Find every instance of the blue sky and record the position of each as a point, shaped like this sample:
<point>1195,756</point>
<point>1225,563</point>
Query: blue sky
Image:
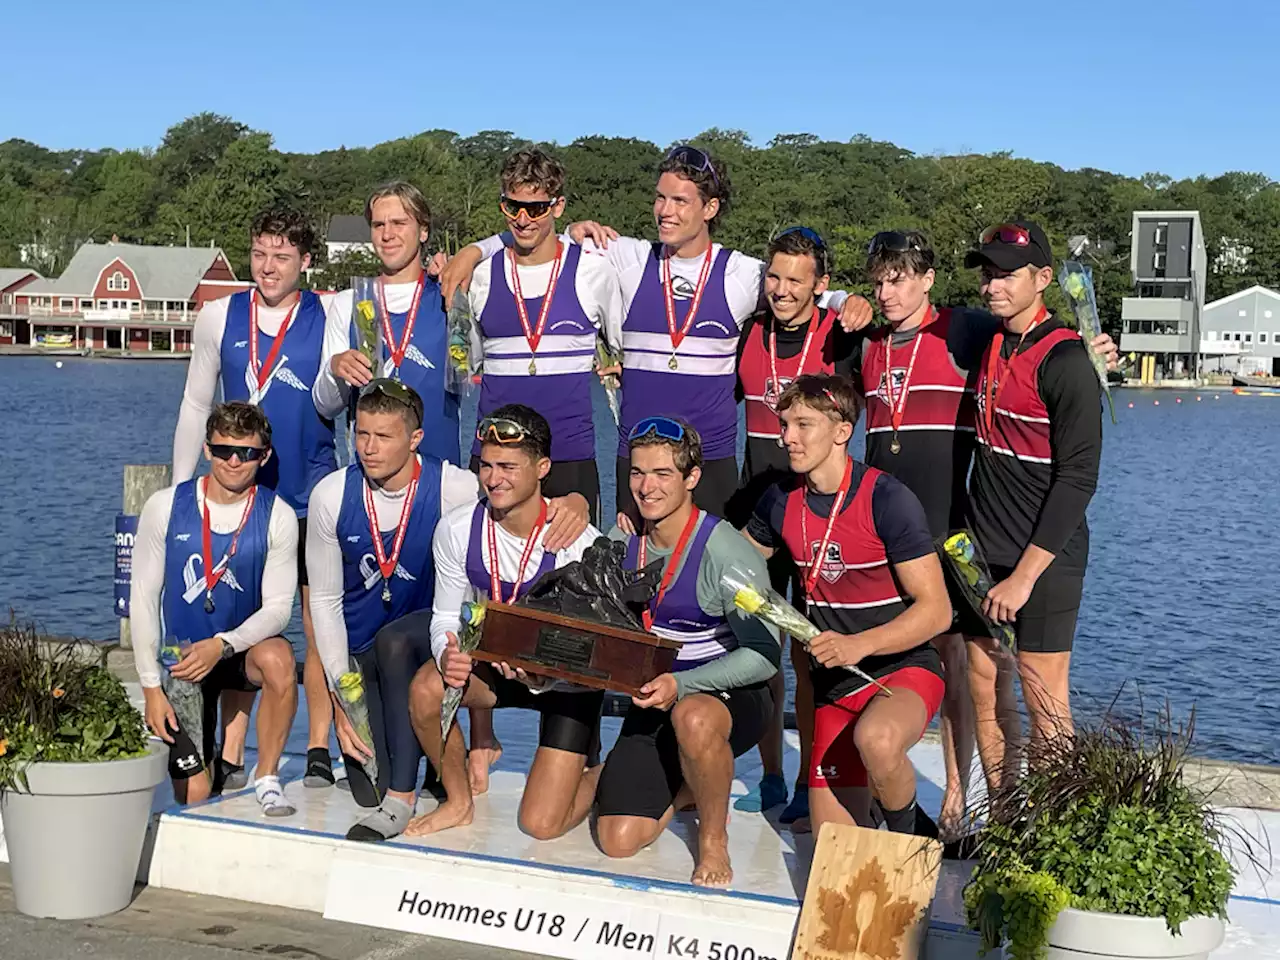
<point>1173,86</point>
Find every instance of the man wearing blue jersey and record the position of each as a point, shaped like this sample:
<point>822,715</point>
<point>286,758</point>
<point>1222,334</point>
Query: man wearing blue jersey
<point>263,346</point>
<point>215,571</point>
<point>372,578</point>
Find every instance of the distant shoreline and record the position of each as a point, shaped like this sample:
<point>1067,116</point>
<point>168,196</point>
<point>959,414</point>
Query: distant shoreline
<point>19,350</point>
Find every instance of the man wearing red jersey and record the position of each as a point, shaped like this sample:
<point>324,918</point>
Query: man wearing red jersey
<point>873,583</point>
<point>1039,429</point>
<point>792,336</point>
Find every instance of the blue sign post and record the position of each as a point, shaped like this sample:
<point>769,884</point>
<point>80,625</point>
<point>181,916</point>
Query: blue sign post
<point>126,529</point>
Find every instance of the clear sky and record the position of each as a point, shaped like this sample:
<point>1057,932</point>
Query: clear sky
<point>1178,86</point>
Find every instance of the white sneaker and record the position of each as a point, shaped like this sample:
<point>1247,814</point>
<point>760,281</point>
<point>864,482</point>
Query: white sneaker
<point>271,797</point>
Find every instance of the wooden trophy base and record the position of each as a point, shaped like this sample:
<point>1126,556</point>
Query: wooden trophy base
<point>591,654</point>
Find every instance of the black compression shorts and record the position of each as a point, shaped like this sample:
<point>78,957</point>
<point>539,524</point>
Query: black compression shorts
<point>566,477</point>
<point>187,758</point>
<point>570,719</point>
<point>718,484</point>
<point>1047,622</point>
<point>642,773</point>
<point>302,552</point>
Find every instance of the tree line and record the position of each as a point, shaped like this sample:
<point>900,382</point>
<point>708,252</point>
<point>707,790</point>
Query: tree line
<point>210,174</point>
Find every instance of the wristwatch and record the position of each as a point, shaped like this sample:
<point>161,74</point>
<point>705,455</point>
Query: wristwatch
<point>228,651</point>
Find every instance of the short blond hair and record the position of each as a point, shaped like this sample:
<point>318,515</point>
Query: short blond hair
<point>410,196</point>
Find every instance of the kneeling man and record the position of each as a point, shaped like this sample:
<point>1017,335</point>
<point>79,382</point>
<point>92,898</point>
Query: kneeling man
<point>215,568</point>
<point>497,550</point>
<point>873,584</point>
<point>679,739</point>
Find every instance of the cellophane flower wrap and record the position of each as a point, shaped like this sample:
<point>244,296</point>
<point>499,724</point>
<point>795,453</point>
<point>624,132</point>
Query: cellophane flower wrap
<point>1077,282</point>
<point>960,550</point>
<point>606,358</point>
<point>366,326</point>
<point>457,370</point>
<point>186,698</point>
<point>472,617</point>
<point>770,606</point>
<point>355,705</point>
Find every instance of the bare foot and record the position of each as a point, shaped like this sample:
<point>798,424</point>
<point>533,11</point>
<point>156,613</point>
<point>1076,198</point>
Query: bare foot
<point>479,762</point>
<point>449,814</point>
<point>713,869</point>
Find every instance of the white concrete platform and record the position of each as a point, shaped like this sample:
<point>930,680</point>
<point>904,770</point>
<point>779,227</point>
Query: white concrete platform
<point>489,883</point>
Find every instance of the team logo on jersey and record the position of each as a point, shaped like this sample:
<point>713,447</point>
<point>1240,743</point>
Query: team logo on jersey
<point>899,375</point>
<point>240,344</point>
<point>575,324</point>
<point>182,537</point>
<point>280,373</point>
<point>832,565</point>
<point>412,354</point>
<point>354,538</point>
<point>196,584</point>
<point>373,576</point>
<point>773,390</point>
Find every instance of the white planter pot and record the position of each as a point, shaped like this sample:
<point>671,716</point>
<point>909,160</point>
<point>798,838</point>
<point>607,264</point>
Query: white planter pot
<point>1081,935</point>
<point>76,839</point>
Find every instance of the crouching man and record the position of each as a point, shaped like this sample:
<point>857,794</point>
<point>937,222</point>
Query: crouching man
<point>215,568</point>
<point>679,738</point>
<point>497,549</point>
<point>873,584</point>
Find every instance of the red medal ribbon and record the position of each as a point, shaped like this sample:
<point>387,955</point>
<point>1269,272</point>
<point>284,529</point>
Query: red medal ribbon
<point>815,566</point>
<point>669,574</point>
<point>992,390</point>
<point>263,373</point>
<point>534,337</point>
<point>899,408</point>
<point>398,349</point>
<point>495,581</point>
<point>677,336</point>
<point>387,564</point>
<point>773,355</point>
<point>212,576</point>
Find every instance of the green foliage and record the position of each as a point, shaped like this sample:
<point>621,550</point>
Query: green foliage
<point>56,707</point>
<point>1101,821</point>
<point>210,174</point>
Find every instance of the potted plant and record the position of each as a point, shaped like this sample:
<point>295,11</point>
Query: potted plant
<point>76,778</point>
<point>1097,846</point>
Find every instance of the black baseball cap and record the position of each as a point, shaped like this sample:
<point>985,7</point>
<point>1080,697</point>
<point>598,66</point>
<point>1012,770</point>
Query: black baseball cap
<point>1009,246</point>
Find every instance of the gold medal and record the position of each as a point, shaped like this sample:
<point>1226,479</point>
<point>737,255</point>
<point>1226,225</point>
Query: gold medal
<point>533,368</point>
<point>894,445</point>
<point>673,363</point>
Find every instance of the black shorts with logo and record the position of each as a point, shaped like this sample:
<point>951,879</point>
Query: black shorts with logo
<point>642,773</point>
<point>1047,621</point>
<point>185,759</point>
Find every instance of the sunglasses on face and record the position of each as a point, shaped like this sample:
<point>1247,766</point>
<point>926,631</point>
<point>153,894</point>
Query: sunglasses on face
<point>664,427</point>
<point>533,209</point>
<point>891,241</point>
<point>225,451</point>
<point>1009,233</point>
<point>499,430</point>
<point>695,158</point>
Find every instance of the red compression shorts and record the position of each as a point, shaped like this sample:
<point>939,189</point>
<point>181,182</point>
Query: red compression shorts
<point>835,761</point>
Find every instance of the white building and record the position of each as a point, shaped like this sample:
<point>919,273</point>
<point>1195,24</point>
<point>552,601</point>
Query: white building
<point>347,233</point>
<point>1241,332</point>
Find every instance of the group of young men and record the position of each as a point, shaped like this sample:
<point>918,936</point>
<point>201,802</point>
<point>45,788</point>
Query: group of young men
<point>389,549</point>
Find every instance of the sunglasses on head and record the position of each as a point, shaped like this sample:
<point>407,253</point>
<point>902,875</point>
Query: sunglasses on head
<point>533,209</point>
<point>396,391</point>
<point>499,430</point>
<point>891,241</point>
<point>664,427</point>
<point>695,158</point>
<point>225,451</point>
<point>809,234</point>
<point>1009,233</point>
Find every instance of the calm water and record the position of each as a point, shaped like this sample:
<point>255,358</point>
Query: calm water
<point>1183,593</point>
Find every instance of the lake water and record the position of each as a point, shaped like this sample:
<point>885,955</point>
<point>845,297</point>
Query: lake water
<point>1182,600</point>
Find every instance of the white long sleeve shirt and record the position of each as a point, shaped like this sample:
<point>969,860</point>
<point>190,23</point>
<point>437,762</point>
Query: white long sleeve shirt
<point>201,390</point>
<point>458,488</point>
<point>743,275</point>
<point>595,283</point>
<point>453,589</point>
<point>279,576</point>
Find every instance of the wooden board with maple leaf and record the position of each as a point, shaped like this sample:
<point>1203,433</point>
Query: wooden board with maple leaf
<point>868,895</point>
